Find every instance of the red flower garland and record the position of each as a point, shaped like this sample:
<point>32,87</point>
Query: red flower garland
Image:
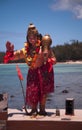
<point>30,60</point>
<point>9,56</point>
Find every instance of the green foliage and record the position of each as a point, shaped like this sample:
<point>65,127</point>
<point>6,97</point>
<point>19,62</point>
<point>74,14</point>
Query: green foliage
<point>68,51</point>
<point>1,56</point>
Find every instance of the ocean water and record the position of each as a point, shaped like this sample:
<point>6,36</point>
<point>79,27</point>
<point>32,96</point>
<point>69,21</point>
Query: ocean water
<point>68,84</point>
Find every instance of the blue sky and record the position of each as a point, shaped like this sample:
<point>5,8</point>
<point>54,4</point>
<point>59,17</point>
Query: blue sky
<point>62,19</point>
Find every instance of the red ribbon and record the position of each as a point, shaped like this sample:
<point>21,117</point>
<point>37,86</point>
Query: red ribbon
<point>19,73</point>
<point>50,61</point>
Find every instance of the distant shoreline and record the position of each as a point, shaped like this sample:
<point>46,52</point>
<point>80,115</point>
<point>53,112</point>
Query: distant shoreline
<point>70,62</point>
<point>67,62</point>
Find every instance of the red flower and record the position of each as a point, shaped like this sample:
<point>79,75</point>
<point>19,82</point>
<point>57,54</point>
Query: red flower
<point>8,56</point>
<point>19,73</point>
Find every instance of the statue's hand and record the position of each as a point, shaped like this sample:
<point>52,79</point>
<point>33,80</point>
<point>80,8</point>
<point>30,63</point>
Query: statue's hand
<point>9,52</point>
<point>9,46</point>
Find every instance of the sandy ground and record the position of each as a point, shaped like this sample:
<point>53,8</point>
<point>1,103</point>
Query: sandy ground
<point>70,62</point>
<point>67,62</point>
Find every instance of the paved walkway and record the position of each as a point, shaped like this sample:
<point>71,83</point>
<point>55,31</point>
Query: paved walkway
<point>14,114</point>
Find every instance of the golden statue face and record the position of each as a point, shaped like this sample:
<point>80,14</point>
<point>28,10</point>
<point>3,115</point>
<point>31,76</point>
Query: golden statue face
<point>32,39</point>
<point>46,42</point>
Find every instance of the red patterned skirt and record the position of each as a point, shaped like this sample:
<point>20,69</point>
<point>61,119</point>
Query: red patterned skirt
<point>39,82</point>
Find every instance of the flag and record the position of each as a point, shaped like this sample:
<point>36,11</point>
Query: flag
<point>19,73</point>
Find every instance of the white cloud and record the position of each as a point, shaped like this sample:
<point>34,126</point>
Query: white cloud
<point>75,6</point>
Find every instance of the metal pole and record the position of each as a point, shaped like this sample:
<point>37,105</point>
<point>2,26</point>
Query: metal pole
<point>24,97</point>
